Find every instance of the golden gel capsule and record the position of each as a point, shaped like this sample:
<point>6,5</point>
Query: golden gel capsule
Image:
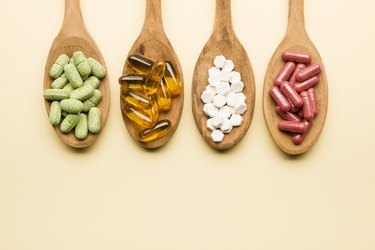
<point>145,118</point>
<point>133,82</point>
<point>136,99</point>
<point>140,64</point>
<point>160,130</point>
<point>154,78</point>
<point>163,97</point>
<point>172,80</point>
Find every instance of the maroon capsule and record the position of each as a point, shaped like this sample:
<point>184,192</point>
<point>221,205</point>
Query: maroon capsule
<point>299,138</point>
<point>293,127</point>
<point>293,78</point>
<point>314,100</point>
<point>308,72</point>
<point>291,94</point>
<point>300,114</point>
<point>302,86</point>
<point>287,116</point>
<point>279,98</point>
<point>295,56</point>
<point>294,109</point>
<point>308,112</point>
<point>285,73</point>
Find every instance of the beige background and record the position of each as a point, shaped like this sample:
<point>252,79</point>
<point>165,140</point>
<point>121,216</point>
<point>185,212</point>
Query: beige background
<point>187,196</point>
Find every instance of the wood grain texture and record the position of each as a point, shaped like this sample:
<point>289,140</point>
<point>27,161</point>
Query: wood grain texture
<point>296,38</point>
<point>152,43</point>
<point>223,41</point>
<point>74,36</point>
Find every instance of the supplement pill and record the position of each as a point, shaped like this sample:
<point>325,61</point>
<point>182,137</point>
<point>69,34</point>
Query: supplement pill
<point>73,76</point>
<point>97,69</point>
<point>69,123</point>
<point>302,86</point>
<point>291,94</point>
<point>309,72</point>
<point>58,67</point>
<point>136,99</point>
<point>140,64</point>
<point>295,56</point>
<point>299,138</point>
<point>71,105</point>
<point>313,99</point>
<point>55,94</point>
<point>93,81</point>
<point>287,116</point>
<point>94,120</point>
<point>55,113</point>
<point>143,118</point>
<point>82,64</point>
<point>133,82</point>
<point>293,126</point>
<point>163,97</point>
<point>60,82</point>
<point>92,101</point>
<point>285,73</point>
<point>160,130</point>
<point>154,78</point>
<point>69,88</point>
<point>217,135</point>
<point>82,93</point>
<point>81,130</point>
<point>293,78</point>
<point>280,99</point>
<point>308,112</point>
<point>172,80</point>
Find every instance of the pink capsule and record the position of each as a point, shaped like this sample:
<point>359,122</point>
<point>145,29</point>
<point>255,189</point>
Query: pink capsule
<point>279,98</point>
<point>287,116</point>
<point>314,100</point>
<point>293,127</point>
<point>300,114</point>
<point>309,72</point>
<point>297,57</point>
<point>294,109</point>
<point>285,73</point>
<point>302,86</point>
<point>308,112</point>
<point>291,94</point>
<point>293,79</point>
<point>299,138</point>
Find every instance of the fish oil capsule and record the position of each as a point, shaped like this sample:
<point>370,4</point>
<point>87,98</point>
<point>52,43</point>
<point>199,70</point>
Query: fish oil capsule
<point>133,82</point>
<point>285,73</point>
<point>280,99</point>
<point>308,112</point>
<point>309,72</point>
<point>293,127</point>
<point>163,97</point>
<point>298,57</point>
<point>136,99</point>
<point>140,64</point>
<point>299,138</point>
<point>145,118</point>
<point>172,80</point>
<point>160,130</point>
<point>154,78</point>
<point>291,94</point>
<point>287,116</point>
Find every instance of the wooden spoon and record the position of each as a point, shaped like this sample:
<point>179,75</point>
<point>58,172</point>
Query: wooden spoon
<point>223,41</point>
<point>296,39</point>
<point>73,36</point>
<point>152,43</point>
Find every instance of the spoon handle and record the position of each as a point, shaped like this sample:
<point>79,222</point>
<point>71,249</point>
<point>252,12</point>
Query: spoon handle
<point>296,19</point>
<point>153,19</point>
<point>73,21</point>
<point>223,19</point>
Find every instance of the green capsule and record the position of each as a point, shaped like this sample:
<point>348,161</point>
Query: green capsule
<point>60,82</point>
<point>81,129</point>
<point>55,113</point>
<point>55,94</point>
<point>82,93</point>
<point>93,81</point>
<point>64,113</point>
<point>82,64</point>
<point>69,123</point>
<point>58,67</point>
<point>96,68</point>
<point>73,75</point>
<point>94,120</point>
<point>68,88</point>
<point>92,101</point>
<point>71,105</point>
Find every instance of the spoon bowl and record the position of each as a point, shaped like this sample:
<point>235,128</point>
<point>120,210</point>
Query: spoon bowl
<point>295,39</point>
<point>72,37</point>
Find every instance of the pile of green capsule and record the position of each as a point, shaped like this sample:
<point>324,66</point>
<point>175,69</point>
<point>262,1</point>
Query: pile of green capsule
<point>74,94</point>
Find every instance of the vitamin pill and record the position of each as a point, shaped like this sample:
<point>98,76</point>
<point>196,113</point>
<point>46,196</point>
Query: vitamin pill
<point>71,105</point>
<point>308,72</point>
<point>82,93</point>
<point>163,97</point>
<point>226,126</point>
<point>133,82</point>
<point>97,69</point>
<point>226,111</point>
<point>237,86</point>
<point>136,99</point>
<point>299,138</point>
<point>160,130</point>
<point>280,99</point>
<point>302,86</point>
<point>308,112</point>
<point>55,94</point>
<point>172,80</point>
<point>291,94</point>
<point>285,73</point>
<point>140,64</point>
<point>209,124</point>
<point>69,123</point>
<point>219,101</point>
<point>207,96</point>
<point>232,99</point>
<point>287,116</point>
<point>295,56</point>
<point>82,64</point>
<point>92,101</point>
<point>219,61</point>
<point>235,77</point>
<point>313,99</point>
<point>143,118</point>
<point>154,78</point>
<point>81,130</point>
<point>68,88</point>
<point>55,113</point>
<point>60,82</point>
<point>293,78</point>
<point>240,108</point>
<point>213,71</point>
<point>73,75</point>
<point>217,135</point>
<point>93,81</point>
<point>94,120</point>
<point>293,126</point>
<point>58,67</point>
<point>222,88</point>
<point>210,110</point>
<point>217,120</point>
<point>228,66</point>
<point>236,120</point>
